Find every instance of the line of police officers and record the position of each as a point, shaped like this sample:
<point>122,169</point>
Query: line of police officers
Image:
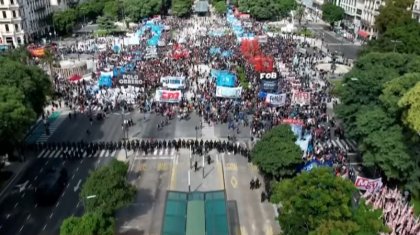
<point>77,149</point>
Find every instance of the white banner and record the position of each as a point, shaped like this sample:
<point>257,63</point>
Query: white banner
<point>168,96</point>
<point>301,97</point>
<point>371,185</point>
<point>173,82</point>
<point>276,99</point>
<point>228,92</point>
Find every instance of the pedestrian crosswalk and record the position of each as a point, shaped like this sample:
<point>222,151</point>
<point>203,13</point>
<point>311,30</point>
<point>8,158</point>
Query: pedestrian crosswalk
<point>72,152</point>
<point>349,146</point>
<point>53,126</point>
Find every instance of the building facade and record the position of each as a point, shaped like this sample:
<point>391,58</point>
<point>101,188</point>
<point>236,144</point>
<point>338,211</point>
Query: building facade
<point>23,21</point>
<point>360,17</point>
<point>416,10</point>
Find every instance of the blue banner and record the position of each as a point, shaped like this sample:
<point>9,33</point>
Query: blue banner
<point>223,78</point>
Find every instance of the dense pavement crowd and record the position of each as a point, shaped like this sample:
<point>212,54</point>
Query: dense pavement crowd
<point>187,49</point>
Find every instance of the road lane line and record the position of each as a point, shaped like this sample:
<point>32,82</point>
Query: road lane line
<point>21,228</point>
<point>73,176</point>
<point>52,213</point>
<point>44,227</point>
<point>77,169</point>
<point>82,161</point>
<point>173,177</point>
<point>78,204</point>
<point>58,203</point>
<point>17,203</point>
<point>47,161</point>
<point>23,195</point>
<point>28,217</point>
<point>36,177</point>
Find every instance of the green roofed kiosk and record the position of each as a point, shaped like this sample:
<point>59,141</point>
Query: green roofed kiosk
<point>195,213</point>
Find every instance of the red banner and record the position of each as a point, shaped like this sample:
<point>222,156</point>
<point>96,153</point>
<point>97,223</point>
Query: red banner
<point>292,121</point>
<point>168,96</point>
<point>301,97</point>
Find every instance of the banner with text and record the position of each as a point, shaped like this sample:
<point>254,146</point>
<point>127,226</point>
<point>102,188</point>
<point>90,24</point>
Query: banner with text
<point>168,96</point>
<point>228,92</point>
<point>276,99</point>
<point>131,79</point>
<point>371,185</point>
<point>269,85</point>
<point>301,97</point>
<point>173,82</point>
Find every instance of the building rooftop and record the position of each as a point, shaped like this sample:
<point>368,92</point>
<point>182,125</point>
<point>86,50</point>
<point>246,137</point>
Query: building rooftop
<point>195,213</point>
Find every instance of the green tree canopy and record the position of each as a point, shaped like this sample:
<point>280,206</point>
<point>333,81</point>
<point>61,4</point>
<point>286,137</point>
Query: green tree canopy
<point>181,8</point>
<point>31,80</point>
<point>319,203</point>
<point>220,7</point>
<point>64,21</point>
<point>267,9</point>
<point>112,9</point>
<point>332,13</point>
<point>15,117</point>
<point>276,154</point>
<point>394,90</point>
<point>393,14</point>
<point>139,9</point>
<point>88,224</point>
<point>411,104</point>
<point>106,23</point>
<point>107,188</point>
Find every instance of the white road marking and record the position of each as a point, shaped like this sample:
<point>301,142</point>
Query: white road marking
<point>44,227</point>
<point>78,204</point>
<point>28,217</point>
<point>36,205</point>
<point>36,177</point>
<point>17,203</point>
<point>21,228</point>
<point>23,195</point>
<point>52,213</point>
<point>82,161</point>
<point>56,205</point>
<point>77,185</point>
<point>77,169</point>
<point>47,162</point>
<point>73,176</point>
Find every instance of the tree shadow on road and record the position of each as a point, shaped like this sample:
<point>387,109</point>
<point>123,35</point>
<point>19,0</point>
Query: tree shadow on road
<point>129,219</point>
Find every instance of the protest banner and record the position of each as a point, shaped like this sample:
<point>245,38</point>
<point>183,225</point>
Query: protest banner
<point>371,185</point>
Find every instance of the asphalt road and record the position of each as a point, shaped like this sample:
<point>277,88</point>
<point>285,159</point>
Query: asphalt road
<point>334,42</point>
<point>21,215</point>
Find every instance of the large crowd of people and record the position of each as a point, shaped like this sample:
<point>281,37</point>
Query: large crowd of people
<point>194,49</point>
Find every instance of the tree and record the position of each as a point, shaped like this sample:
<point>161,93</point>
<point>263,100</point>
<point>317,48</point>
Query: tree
<point>139,9</point>
<point>393,14</point>
<point>317,202</point>
<point>285,7</point>
<point>106,189</point>
<point>332,13</point>
<point>112,9</point>
<point>15,117</point>
<point>411,104</point>
<point>88,224</point>
<point>49,59</point>
<point>276,154</point>
<point>31,80</point>
<point>64,21</point>
<point>106,23</point>
<point>220,7</point>
<point>387,151</point>
<point>394,90</point>
<point>299,14</point>
<point>181,8</point>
